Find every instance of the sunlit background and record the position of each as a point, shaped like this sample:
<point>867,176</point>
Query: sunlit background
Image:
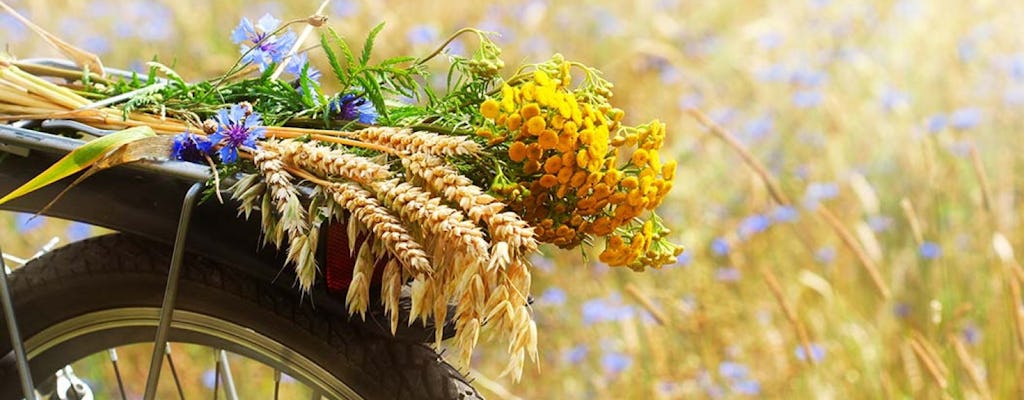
<point>892,126</point>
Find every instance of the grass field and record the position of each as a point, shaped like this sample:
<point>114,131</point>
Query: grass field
<point>881,265</point>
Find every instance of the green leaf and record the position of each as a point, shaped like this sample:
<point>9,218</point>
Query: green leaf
<point>332,58</point>
<point>79,159</point>
<point>345,50</point>
<point>368,46</point>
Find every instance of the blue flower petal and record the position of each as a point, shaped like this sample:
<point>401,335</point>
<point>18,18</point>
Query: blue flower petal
<point>243,31</point>
<point>268,23</point>
<point>228,154</point>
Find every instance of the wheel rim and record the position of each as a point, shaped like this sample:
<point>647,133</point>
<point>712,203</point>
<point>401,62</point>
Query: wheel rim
<point>263,348</point>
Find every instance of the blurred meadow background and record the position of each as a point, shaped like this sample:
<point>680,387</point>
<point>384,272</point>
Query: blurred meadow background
<point>882,266</point>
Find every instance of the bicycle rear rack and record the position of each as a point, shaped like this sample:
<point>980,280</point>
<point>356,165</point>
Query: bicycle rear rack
<point>15,138</point>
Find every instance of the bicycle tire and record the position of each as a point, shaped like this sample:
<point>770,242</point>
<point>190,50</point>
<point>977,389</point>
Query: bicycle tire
<point>122,272</point>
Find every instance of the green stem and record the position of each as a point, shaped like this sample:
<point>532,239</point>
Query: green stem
<point>441,48</point>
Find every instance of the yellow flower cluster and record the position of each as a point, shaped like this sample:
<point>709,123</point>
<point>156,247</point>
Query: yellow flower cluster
<point>574,171</point>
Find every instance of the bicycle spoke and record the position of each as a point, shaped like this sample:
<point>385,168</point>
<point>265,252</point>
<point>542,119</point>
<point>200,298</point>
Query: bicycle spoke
<point>117,372</point>
<point>277,384</point>
<point>174,372</point>
<point>229,381</point>
<point>216,374</point>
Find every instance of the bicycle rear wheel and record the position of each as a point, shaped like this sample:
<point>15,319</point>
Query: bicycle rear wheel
<point>106,292</point>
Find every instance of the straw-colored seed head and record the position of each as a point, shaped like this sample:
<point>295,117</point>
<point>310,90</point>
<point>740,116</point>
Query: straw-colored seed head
<point>407,141</point>
<point>383,224</point>
<point>327,162</point>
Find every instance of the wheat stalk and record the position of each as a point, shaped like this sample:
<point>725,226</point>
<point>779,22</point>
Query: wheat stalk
<point>385,226</point>
<point>408,141</point>
<point>503,226</point>
<point>283,196</point>
<point>327,162</point>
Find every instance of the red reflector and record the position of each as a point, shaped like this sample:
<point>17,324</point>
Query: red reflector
<point>339,261</point>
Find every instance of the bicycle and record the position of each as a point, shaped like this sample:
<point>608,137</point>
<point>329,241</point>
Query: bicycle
<point>186,272</point>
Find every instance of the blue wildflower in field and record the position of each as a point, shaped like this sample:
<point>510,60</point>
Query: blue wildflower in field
<point>825,255</point>
<point>752,225</point>
<point>935,123</point>
<point>422,34</point>
<point>576,354</point>
<point>26,223</point>
<point>553,296</point>
<point>733,370</point>
<point>351,107</point>
<point>258,43</point>
<point>818,191</point>
<point>965,118</point>
<point>684,259</point>
<point>809,77</point>
<point>817,352</point>
<point>930,250</point>
<point>785,214</point>
<point>616,362</point>
<point>236,126</point>
<point>879,223</point>
<point>893,99</point>
<point>719,246</point>
<point>759,127</point>
<point>808,98</point>
<point>748,387</point>
<point>77,231</point>
<point>971,333</point>
<point>601,310</point>
<point>190,147</point>
<point>901,310</point>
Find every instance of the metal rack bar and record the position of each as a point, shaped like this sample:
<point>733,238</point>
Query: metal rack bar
<point>27,388</point>
<point>171,292</point>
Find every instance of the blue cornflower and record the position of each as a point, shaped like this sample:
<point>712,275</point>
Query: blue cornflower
<point>733,370</point>
<point>77,231</point>
<point>825,255</point>
<point>236,127</point>
<point>258,45</point>
<point>576,354</point>
<point>808,98</point>
<point>965,118</point>
<point>720,246</point>
<point>935,123</point>
<point>747,387</point>
<point>879,223</point>
<point>818,191</point>
<point>351,107</point>
<point>297,63</point>
<point>783,214</point>
<point>684,259</point>
<point>901,310</point>
<point>759,127</point>
<point>422,34</point>
<point>971,333</point>
<point>817,353</point>
<point>616,362</point>
<point>752,225</point>
<point>28,222</point>
<point>190,147</point>
<point>553,296</point>
<point>930,250</point>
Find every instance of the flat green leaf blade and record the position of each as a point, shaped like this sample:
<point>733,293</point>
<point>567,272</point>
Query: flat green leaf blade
<point>79,159</point>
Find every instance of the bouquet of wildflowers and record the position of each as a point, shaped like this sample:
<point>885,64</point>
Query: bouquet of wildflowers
<point>454,188</point>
